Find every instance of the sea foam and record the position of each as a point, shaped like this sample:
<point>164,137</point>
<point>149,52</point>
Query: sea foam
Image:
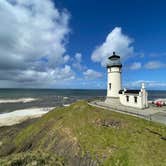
<point>21,100</point>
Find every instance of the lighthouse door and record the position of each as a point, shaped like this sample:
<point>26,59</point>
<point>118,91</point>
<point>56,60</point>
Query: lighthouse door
<point>109,85</point>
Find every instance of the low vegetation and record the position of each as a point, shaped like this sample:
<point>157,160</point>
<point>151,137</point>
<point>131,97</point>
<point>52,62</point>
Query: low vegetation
<point>82,135</point>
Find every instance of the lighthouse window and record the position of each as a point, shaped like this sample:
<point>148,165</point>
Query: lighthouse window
<point>135,99</point>
<point>110,85</point>
<point>127,98</point>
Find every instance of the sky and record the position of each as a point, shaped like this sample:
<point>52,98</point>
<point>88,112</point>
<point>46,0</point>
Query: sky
<point>66,43</point>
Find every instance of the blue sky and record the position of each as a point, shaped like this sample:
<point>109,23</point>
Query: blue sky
<point>143,21</point>
<point>65,44</point>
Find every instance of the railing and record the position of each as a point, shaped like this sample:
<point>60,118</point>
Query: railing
<point>125,110</point>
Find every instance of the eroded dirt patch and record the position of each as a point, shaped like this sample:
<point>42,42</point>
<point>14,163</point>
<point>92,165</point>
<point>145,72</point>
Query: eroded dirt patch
<point>108,123</point>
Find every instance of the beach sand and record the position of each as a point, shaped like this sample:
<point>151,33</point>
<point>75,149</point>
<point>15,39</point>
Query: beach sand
<point>18,116</point>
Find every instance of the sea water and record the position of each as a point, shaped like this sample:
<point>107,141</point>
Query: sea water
<point>16,99</point>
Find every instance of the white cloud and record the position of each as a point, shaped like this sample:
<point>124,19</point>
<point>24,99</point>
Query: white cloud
<point>148,84</point>
<point>33,35</point>
<point>92,74</point>
<point>148,65</point>
<point>78,57</point>
<point>135,66</point>
<point>77,62</point>
<point>37,78</point>
<point>65,73</point>
<point>115,41</point>
<point>66,58</point>
<point>154,65</point>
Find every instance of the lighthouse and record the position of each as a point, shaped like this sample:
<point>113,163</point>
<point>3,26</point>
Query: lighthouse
<point>114,82</point>
<point>116,96</point>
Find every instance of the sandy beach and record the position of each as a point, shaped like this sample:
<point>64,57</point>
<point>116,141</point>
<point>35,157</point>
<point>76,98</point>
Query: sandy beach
<point>18,116</point>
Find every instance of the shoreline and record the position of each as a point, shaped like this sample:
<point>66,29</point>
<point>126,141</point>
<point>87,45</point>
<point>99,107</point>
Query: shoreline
<point>19,100</point>
<point>19,116</point>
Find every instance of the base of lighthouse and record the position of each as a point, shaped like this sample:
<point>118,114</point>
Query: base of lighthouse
<point>112,100</point>
<point>130,98</point>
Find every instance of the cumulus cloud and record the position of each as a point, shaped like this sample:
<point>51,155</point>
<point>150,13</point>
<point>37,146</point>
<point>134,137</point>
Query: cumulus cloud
<point>154,65</point>
<point>66,58</point>
<point>78,57</point>
<point>92,74</point>
<point>77,62</point>
<point>135,66</point>
<point>115,41</point>
<point>56,74</point>
<point>33,35</point>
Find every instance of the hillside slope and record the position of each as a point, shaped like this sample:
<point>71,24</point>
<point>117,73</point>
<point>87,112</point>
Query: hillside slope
<point>86,136</point>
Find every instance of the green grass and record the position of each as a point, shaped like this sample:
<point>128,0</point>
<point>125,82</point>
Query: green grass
<point>110,138</point>
<point>37,158</point>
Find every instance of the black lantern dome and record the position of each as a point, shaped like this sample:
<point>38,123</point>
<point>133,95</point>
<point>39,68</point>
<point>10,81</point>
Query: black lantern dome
<point>114,61</point>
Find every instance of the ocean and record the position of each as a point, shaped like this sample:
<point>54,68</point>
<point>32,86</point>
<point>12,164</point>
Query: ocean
<point>15,99</point>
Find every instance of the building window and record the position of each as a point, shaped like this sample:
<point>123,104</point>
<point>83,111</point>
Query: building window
<point>135,99</point>
<point>127,98</point>
<point>109,85</point>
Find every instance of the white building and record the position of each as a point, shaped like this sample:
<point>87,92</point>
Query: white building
<point>115,94</point>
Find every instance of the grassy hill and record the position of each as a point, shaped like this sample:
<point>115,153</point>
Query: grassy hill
<point>82,135</point>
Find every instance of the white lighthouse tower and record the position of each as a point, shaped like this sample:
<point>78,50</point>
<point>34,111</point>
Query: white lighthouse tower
<point>114,77</point>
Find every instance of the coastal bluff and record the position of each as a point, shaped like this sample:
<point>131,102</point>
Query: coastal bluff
<point>81,135</point>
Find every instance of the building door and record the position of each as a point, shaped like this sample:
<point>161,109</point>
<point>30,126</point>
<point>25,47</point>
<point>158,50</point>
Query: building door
<point>109,85</point>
